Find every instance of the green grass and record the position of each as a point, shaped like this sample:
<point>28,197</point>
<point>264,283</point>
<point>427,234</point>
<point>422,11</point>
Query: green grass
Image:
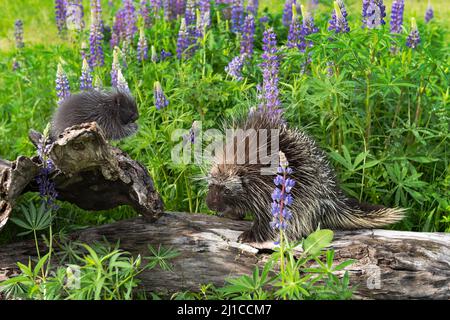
<point>408,156</point>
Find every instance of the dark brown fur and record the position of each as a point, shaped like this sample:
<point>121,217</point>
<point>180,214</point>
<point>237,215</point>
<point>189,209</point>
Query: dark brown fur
<point>114,111</point>
<point>236,189</point>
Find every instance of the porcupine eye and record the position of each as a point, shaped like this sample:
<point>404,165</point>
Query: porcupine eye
<point>227,192</point>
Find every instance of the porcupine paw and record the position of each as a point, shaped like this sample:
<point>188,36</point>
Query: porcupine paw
<point>247,236</point>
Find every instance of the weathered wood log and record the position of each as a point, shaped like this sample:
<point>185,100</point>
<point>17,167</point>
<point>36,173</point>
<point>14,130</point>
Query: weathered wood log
<point>390,264</point>
<point>90,173</point>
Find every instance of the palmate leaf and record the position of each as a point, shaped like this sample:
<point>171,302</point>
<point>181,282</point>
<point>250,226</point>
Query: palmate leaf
<point>34,219</point>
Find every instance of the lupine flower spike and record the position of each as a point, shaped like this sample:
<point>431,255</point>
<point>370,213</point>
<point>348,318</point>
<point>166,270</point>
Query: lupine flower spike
<point>252,7</point>
<point>413,38</point>
<point>281,195</point>
<point>96,57</point>
<point>237,15</point>
<point>248,36</point>
<point>122,84</point>
<point>115,66</point>
<point>142,48</point>
<point>62,84</point>
<point>159,96</point>
<point>86,76</point>
<point>338,21</point>
<point>287,12</point>
<point>18,33</point>
<point>374,12</point>
<point>130,20</point>
<point>295,35</point>
<point>61,15</point>
<point>268,92</point>
<point>234,68</point>
<point>183,39</point>
<point>75,14</point>
<point>308,26</point>
<point>429,14</point>
<point>397,16</point>
<point>47,190</point>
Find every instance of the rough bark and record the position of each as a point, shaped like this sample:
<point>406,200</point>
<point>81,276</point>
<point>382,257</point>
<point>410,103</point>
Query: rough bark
<point>390,264</point>
<point>90,173</point>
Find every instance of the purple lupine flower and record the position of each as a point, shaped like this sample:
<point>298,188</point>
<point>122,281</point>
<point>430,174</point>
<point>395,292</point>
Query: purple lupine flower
<point>62,84</point>
<point>47,189</point>
<point>179,8</point>
<point>252,7</point>
<point>237,15</point>
<point>375,13</point>
<point>86,76</point>
<point>248,36</point>
<point>296,39</point>
<point>308,26</point>
<point>130,20</point>
<point>165,55</point>
<point>397,16</point>
<point>115,67</point>
<point>205,11</point>
<point>189,15</point>
<point>61,14</point>
<point>84,50</point>
<point>96,7</point>
<point>269,100</point>
<point>413,38</point>
<point>193,133</point>
<point>142,47</point>
<point>18,33</point>
<point>264,19</point>
<point>429,14</point>
<point>183,39</point>
<point>159,96</point>
<point>287,12</point>
<point>122,84</point>
<point>200,27</point>
<point>75,14</point>
<point>118,29</point>
<point>96,57</point>
<point>338,21</point>
<point>234,68</point>
<point>155,5</point>
<point>144,12</point>
<point>281,195</point>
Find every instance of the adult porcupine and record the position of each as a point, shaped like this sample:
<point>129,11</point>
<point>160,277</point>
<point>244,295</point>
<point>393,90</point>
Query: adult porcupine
<point>115,112</point>
<point>236,189</point>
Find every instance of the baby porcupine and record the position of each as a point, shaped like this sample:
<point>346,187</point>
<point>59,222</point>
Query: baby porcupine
<point>115,112</point>
<point>236,189</point>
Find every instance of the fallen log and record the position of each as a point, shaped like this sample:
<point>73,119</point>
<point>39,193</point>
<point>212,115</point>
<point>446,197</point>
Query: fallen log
<point>90,173</point>
<point>390,264</point>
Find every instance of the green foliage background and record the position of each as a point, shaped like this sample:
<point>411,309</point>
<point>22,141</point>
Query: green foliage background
<point>383,118</point>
